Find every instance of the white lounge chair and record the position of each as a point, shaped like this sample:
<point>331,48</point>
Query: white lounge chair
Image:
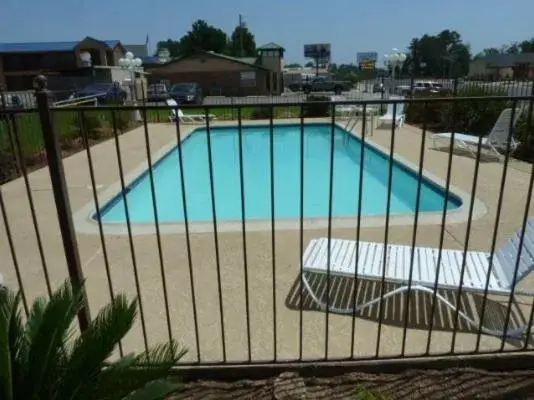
<point>397,269</point>
<point>185,118</point>
<point>495,141</point>
<point>387,118</point>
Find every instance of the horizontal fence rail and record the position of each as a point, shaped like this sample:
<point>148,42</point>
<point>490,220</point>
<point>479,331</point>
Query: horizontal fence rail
<point>284,230</point>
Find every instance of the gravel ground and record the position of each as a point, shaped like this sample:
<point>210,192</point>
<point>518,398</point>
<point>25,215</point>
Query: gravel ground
<point>451,384</point>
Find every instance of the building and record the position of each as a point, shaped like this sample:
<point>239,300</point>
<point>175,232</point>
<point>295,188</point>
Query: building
<point>66,64</point>
<point>503,66</point>
<point>221,75</point>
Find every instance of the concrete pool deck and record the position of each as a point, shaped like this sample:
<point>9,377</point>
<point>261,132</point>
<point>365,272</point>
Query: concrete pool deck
<point>260,262</point>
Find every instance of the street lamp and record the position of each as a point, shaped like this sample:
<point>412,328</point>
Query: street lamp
<point>132,64</point>
<point>394,60</point>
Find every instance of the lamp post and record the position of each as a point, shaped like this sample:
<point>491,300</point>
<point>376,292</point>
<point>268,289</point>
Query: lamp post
<point>394,60</point>
<point>132,64</point>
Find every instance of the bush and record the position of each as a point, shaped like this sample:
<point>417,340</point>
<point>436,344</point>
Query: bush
<point>475,116</point>
<point>42,359</point>
<point>261,112</point>
<point>312,109</point>
<point>89,122</point>
<point>525,136</point>
<point>123,120</point>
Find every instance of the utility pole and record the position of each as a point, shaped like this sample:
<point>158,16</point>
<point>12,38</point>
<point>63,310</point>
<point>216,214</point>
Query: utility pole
<point>241,26</point>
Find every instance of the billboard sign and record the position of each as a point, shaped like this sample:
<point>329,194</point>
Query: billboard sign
<point>367,60</point>
<point>318,51</point>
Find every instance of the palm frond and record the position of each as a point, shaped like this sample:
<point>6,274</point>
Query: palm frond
<point>94,346</point>
<point>8,305</point>
<point>18,344</point>
<point>115,383</point>
<point>155,390</point>
<point>47,333</point>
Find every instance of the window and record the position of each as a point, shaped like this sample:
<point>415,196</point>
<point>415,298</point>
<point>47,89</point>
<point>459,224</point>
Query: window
<point>248,78</point>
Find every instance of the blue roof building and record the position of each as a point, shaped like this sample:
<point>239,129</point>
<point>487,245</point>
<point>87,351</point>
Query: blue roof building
<point>61,61</point>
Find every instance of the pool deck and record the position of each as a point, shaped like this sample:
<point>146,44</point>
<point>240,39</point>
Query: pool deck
<point>259,260</point>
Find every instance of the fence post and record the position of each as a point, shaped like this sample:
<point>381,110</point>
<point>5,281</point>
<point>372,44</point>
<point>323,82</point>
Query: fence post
<point>61,197</point>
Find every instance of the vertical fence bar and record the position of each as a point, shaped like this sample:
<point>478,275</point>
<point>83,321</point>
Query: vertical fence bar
<point>83,133</point>
<point>466,244</point>
<point>22,167</point>
<point>521,239</point>
<point>358,228</point>
<point>495,231</point>
<point>215,231</point>
<point>61,197</point>
<point>386,230</point>
<point>301,228</point>
<point>414,235</point>
<point>329,252</point>
<point>441,238</point>
<point>129,229</point>
<point>273,239</point>
<point>156,224</point>
<point>187,236</point>
<point>243,228</point>
<point>14,257</point>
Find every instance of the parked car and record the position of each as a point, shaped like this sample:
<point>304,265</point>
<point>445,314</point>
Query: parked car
<point>104,92</point>
<point>378,87</point>
<point>157,92</point>
<point>323,84</point>
<point>186,93</point>
<point>418,87</point>
<point>9,100</point>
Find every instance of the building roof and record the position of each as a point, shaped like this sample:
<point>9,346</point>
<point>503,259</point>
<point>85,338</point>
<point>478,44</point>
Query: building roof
<point>43,47</point>
<point>508,60</point>
<point>271,46</point>
<point>139,50</point>
<point>222,56</point>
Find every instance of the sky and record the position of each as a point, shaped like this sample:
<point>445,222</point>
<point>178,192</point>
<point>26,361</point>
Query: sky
<point>350,26</point>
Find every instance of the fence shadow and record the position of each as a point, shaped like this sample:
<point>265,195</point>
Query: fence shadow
<point>420,306</point>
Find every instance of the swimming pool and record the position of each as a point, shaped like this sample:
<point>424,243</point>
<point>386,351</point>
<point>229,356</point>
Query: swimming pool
<point>256,174</point>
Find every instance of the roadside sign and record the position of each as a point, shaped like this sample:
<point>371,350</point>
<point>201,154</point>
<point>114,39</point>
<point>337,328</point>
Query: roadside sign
<point>367,60</point>
<point>318,51</point>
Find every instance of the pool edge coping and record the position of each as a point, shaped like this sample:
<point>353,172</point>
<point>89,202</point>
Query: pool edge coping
<point>85,223</point>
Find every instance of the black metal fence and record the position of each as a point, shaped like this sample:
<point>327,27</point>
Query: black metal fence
<point>256,290</point>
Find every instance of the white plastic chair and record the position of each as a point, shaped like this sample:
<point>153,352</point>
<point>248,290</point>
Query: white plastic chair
<point>496,141</point>
<point>398,264</point>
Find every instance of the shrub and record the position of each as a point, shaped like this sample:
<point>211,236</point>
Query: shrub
<point>312,109</point>
<point>261,112</point>
<point>38,359</point>
<point>123,120</point>
<point>525,135</point>
<point>89,122</point>
<point>474,116</point>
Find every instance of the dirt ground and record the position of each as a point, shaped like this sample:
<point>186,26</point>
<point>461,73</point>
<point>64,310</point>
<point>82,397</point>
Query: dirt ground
<point>453,384</point>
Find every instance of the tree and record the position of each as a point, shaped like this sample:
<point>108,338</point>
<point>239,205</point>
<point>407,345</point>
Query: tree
<point>438,55</point>
<point>242,43</point>
<point>172,45</point>
<point>202,36</point>
<point>294,65</point>
<point>309,64</point>
<point>39,361</point>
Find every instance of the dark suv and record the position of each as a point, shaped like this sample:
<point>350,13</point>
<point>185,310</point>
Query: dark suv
<point>186,93</point>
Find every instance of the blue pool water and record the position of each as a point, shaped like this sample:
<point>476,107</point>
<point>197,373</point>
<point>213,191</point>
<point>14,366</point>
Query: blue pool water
<point>287,178</point>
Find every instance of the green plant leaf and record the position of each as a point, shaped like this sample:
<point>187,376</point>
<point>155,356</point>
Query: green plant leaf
<point>95,345</point>
<point>46,349</point>
<point>155,390</point>
<point>120,380</point>
<point>8,305</point>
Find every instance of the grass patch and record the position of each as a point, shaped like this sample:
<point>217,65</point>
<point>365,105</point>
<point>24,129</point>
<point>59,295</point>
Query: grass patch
<point>361,393</point>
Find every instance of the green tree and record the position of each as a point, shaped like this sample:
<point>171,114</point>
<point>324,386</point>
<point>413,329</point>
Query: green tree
<point>172,45</point>
<point>294,65</point>
<point>242,43</point>
<point>443,54</point>
<point>309,64</point>
<point>203,36</point>
<point>39,359</point>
